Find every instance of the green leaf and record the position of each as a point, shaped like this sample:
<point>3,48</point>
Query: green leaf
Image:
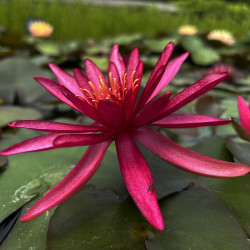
<point>239,150</point>
<point>192,43</point>
<point>48,48</point>
<point>12,113</point>
<point>125,39</point>
<point>98,219</point>
<point>17,82</point>
<point>196,219</point>
<point>27,235</point>
<point>205,56</point>
<point>157,45</point>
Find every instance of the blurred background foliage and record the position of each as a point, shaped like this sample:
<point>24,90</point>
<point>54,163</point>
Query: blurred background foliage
<point>77,20</point>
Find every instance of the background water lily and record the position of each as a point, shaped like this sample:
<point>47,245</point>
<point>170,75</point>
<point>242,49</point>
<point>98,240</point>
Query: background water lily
<point>120,115</point>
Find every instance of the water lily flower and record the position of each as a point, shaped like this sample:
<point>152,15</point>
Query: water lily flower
<point>244,113</point>
<point>223,36</point>
<point>39,28</point>
<point>122,116</point>
<point>187,30</point>
<point>223,68</point>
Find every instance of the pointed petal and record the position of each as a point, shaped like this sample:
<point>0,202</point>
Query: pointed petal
<point>152,110</point>
<point>72,183</point>
<point>93,73</point>
<point>244,114</point>
<point>189,121</point>
<point>65,79</point>
<point>133,62</point>
<point>55,89</point>
<point>82,80</point>
<point>169,73</point>
<point>47,126</point>
<point>39,143</point>
<point>138,179</point>
<point>111,113</point>
<point>83,106</point>
<point>116,58</point>
<point>149,88</point>
<point>192,92</point>
<point>187,159</point>
<point>114,74</point>
<point>163,59</point>
<point>73,140</point>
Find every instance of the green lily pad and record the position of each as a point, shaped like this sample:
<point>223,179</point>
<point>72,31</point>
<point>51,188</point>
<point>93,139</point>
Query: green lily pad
<point>125,39</point>
<point>26,235</point>
<point>192,43</point>
<point>205,56</point>
<point>17,82</point>
<point>239,150</point>
<point>157,45</point>
<point>48,48</point>
<point>12,113</point>
<point>196,219</point>
<point>97,219</point>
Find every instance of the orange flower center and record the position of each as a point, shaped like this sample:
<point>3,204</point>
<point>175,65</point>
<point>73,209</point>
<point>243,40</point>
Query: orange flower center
<point>115,92</point>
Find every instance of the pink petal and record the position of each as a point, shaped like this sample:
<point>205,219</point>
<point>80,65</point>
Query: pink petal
<point>244,114</point>
<point>138,77</point>
<point>47,126</point>
<point>189,121</point>
<point>93,73</point>
<point>149,88</point>
<point>55,89</point>
<point>82,80</point>
<point>115,74</point>
<point>169,73</point>
<point>70,184</point>
<point>138,180</point>
<point>187,159</point>
<point>132,64</point>
<point>65,79</point>
<point>152,110</point>
<point>128,105</point>
<point>39,143</point>
<point>73,140</point>
<point>83,106</point>
<point>111,113</point>
<point>116,58</point>
<point>163,60</point>
<point>192,92</point>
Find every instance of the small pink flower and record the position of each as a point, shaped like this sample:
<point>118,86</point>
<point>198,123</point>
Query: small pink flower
<point>121,116</point>
<point>222,68</point>
<point>244,113</point>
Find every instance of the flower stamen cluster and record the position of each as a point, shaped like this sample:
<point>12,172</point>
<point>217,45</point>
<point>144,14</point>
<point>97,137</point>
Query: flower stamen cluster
<point>114,92</point>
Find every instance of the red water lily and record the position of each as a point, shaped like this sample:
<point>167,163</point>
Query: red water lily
<point>120,116</point>
<point>244,113</point>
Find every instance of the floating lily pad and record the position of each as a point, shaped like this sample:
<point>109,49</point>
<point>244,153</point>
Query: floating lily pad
<point>125,39</point>
<point>239,150</point>
<point>12,113</point>
<point>48,48</point>
<point>157,45</point>
<point>197,219</point>
<point>17,83</point>
<point>205,56</point>
<point>98,219</point>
